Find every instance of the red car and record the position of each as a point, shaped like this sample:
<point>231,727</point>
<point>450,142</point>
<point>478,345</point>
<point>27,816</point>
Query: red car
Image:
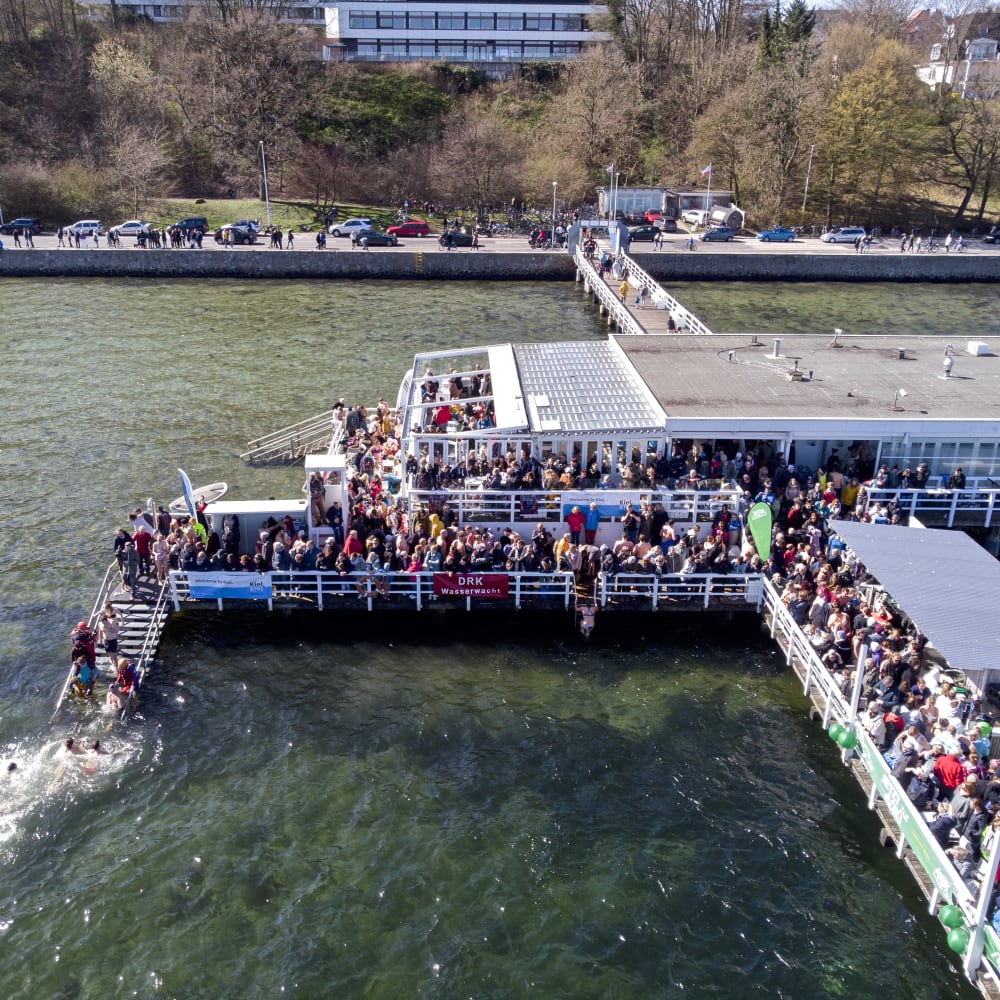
<point>412,228</point>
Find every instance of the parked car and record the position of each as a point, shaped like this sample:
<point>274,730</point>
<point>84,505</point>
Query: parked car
<point>720,234</point>
<point>236,233</point>
<point>845,234</point>
<point>776,235</point>
<point>192,223</point>
<point>349,226</point>
<point>131,228</point>
<point>651,216</point>
<point>993,236</point>
<point>253,224</point>
<point>667,225</point>
<point>413,227</point>
<point>644,234</point>
<point>85,227</point>
<point>375,238</point>
<point>694,216</point>
<point>27,222</point>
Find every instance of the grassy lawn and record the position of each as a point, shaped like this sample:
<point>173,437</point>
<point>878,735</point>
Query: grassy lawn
<point>287,214</point>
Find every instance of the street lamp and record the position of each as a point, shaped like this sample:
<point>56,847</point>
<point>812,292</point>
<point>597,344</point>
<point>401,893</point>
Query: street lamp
<point>555,184</point>
<point>267,200</point>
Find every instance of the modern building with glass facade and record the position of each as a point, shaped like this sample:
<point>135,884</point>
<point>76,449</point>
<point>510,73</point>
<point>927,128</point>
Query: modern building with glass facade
<point>422,30</point>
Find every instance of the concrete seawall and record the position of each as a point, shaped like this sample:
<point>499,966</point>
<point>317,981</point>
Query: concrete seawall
<point>492,265</point>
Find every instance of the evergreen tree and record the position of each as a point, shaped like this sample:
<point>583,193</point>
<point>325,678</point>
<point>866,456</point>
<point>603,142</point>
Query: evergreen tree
<point>798,23</point>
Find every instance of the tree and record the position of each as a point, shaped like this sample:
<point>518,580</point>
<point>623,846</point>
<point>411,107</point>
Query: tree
<point>235,84</point>
<point>878,130</point>
<point>478,160</point>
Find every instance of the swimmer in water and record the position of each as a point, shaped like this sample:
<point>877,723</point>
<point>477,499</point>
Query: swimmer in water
<point>72,747</point>
<point>587,614</point>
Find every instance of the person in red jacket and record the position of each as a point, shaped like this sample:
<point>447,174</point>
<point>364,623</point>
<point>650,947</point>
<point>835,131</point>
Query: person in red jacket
<point>948,772</point>
<point>575,521</point>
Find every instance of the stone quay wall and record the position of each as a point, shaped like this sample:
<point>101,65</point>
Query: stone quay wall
<point>492,265</point>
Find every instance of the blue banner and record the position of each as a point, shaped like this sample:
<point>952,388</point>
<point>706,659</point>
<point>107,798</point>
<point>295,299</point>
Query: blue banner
<point>243,586</point>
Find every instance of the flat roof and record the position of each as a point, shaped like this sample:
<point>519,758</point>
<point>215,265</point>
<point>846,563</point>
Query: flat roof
<point>943,581</point>
<point>725,375</point>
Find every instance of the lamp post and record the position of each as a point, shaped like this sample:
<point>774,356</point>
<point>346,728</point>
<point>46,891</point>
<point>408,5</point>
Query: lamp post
<point>555,184</point>
<point>805,192</point>
<point>267,200</point>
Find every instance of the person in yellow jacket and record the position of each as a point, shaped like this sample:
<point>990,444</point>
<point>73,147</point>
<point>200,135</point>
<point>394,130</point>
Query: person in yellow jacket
<point>623,290</point>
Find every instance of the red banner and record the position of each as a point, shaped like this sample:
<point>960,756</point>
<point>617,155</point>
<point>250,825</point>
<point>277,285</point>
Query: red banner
<point>470,585</point>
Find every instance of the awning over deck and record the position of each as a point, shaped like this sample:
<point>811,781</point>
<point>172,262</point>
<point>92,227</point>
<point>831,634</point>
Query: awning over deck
<point>944,582</point>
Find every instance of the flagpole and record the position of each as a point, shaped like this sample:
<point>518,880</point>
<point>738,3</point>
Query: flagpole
<point>708,198</point>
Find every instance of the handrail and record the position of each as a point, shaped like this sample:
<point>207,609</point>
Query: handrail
<point>149,644</point>
<point>524,506</point>
<point>312,431</point>
<point>686,588</point>
<point>974,499</point>
<point>925,851</point>
<point>108,584</point>
<point>623,319</point>
<point>316,588</point>
<point>660,297</point>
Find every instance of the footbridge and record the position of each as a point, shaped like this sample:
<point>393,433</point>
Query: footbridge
<point>647,306</point>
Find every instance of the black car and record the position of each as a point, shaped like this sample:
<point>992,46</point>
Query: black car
<point>236,233</point>
<point>192,223</point>
<point>21,225</point>
<point>644,234</point>
<point>993,236</point>
<point>457,238</point>
<point>374,238</point>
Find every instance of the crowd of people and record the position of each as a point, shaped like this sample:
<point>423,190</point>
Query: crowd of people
<point>933,737</point>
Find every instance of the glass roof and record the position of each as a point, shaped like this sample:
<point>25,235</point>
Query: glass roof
<point>583,386</point>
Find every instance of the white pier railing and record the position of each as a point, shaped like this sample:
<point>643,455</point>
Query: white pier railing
<point>914,841</point>
<point>685,320</point>
<point>618,312</point>
<point>979,501</point>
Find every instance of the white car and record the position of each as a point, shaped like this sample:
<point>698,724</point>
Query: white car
<point>85,227</point>
<point>349,226</point>
<point>131,228</point>
<point>695,216</point>
<point>845,234</point>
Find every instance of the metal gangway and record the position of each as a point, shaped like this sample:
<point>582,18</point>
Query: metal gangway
<point>144,617</point>
<point>660,298</point>
<point>310,436</point>
<point>623,315</point>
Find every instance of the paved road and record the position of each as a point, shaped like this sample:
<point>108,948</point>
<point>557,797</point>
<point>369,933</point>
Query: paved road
<point>675,243</point>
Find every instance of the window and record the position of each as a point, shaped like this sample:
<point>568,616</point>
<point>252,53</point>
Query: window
<point>533,23</point>
<point>509,22</point>
<point>481,51</point>
<point>935,53</point>
<point>453,50</point>
<point>362,19</point>
<point>565,48</point>
<point>424,22</point>
<point>396,50</point>
<point>480,22</point>
<point>423,50</point>
<point>451,22</point>
<point>392,20</point>
<point>534,50</point>
<point>569,22</point>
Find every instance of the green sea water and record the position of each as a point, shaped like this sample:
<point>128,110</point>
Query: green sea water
<point>343,806</point>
